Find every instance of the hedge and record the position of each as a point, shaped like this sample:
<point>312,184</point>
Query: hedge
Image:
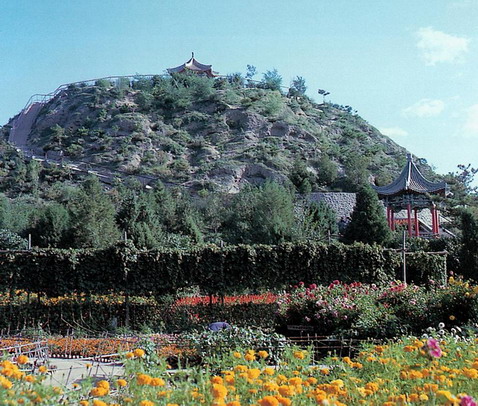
<point>220,271</point>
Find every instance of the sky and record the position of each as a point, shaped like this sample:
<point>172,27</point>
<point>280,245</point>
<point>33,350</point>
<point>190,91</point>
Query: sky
<point>408,67</point>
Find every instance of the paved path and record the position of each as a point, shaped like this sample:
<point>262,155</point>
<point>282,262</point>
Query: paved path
<point>65,372</point>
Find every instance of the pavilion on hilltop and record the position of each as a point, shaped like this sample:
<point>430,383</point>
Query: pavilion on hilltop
<point>195,67</point>
<point>411,192</point>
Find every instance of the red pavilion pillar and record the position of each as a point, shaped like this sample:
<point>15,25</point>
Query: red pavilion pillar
<point>417,226</point>
<point>392,219</point>
<point>409,215</point>
<point>389,222</point>
<point>434,220</point>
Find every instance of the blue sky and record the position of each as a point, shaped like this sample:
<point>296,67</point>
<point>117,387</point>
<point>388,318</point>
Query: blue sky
<point>409,67</point>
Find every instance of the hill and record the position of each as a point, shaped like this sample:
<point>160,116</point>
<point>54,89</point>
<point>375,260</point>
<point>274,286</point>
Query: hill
<point>214,134</point>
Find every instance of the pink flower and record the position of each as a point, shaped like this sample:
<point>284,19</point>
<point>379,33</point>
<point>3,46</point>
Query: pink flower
<point>433,348</point>
<point>467,401</point>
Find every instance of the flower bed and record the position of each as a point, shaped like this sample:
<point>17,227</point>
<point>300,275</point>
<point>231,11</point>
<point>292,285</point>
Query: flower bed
<point>369,310</point>
<point>441,371</point>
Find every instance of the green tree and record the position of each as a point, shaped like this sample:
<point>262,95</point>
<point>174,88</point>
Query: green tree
<point>11,241</point>
<point>93,217</point>
<point>298,87</point>
<point>272,80</point>
<point>469,251</point>
<point>303,179</point>
<point>326,171</point>
<point>52,227</point>
<point>139,217</point>
<point>316,221</point>
<point>368,223</point>
<point>356,169</point>
<point>261,215</point>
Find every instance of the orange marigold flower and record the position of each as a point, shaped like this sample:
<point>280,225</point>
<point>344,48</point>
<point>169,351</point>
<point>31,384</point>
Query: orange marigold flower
<point>253,373</point>
<point>218,391</point>
<point>103,384</point>
<point>157,382</point>
<point>284,401</point>
<point>121,382</point>
<point>98,392</point>
<point>263,354</point>
<point>22,359</point>
<point>84,403</point>
<point>139,352</point>
<point>237,355</point>
<point>217,379</point>
<point>129,355</point>
<point>42,369</point>
<point>146,403</point>
<point>299,354</point>
<point>287,391</point>
<point>249,357</point>
<point>143,379</point>
<point>268,401</point>
<point>97,402</point>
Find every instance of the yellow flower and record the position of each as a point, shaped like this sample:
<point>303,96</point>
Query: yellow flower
<point>22,359</point>
<point>146,403</point>
<point>103,384</point>
<point>42,369</point>
<point>218,391</point>
<point>249,357</point>
<point>253,373</point>
<point>325,371</point>
<point>97,402</point>
<point>452,317</point>
<point>299,354</point>
<point>269,371</point>
<point>84,403</point>
<point>237,355</point>
<point>263,354</point>
<point>129,355</point>
<point>98,392</point>
<point>268,401</point>
<point>139,352</point>
<point>143,379</point>
<point>287,391</point>
<point>121,382</point>
<point>217,379</point>
<point>157,382</point>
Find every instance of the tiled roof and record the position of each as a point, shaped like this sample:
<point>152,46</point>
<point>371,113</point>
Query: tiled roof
<point>411,180</point>
<point>193,65</point>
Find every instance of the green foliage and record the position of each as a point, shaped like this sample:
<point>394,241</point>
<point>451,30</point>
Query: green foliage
<point>272,80</point>
<point>11,241</point>
<point>92,217</point>
<point>303,179</point>
<point>298,87</point>
<point>368,223</point>
<point>326,171</point>
<point>217,344</point>
<point>52,226</point>
<point>469,253</point>
<point>261,215</point>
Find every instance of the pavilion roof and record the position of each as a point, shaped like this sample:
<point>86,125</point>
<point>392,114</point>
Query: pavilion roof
<point>194,66</point>
<point>411,180</point>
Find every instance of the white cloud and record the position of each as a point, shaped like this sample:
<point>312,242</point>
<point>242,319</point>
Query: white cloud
<point>394,132</point>
<point>437,46</point>
<point>424,108</point>
<point>470,128</point>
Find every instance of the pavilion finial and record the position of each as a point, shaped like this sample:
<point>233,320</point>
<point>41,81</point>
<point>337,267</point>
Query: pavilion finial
<point>192,54</point>
<point>409,157</point>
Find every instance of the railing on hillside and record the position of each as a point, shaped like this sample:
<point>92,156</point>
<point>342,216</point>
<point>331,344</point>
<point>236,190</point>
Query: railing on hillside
<point>45,98</point>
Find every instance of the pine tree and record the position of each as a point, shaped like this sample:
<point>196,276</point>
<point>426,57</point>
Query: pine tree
<point>93,217</point>
<point>368,223</point>
<point>469,251</point>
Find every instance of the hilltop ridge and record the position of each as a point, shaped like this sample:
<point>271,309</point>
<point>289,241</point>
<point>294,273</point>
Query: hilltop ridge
<point>217,134</point>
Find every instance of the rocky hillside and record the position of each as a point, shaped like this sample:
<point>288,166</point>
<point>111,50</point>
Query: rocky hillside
<point>214,134</point>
